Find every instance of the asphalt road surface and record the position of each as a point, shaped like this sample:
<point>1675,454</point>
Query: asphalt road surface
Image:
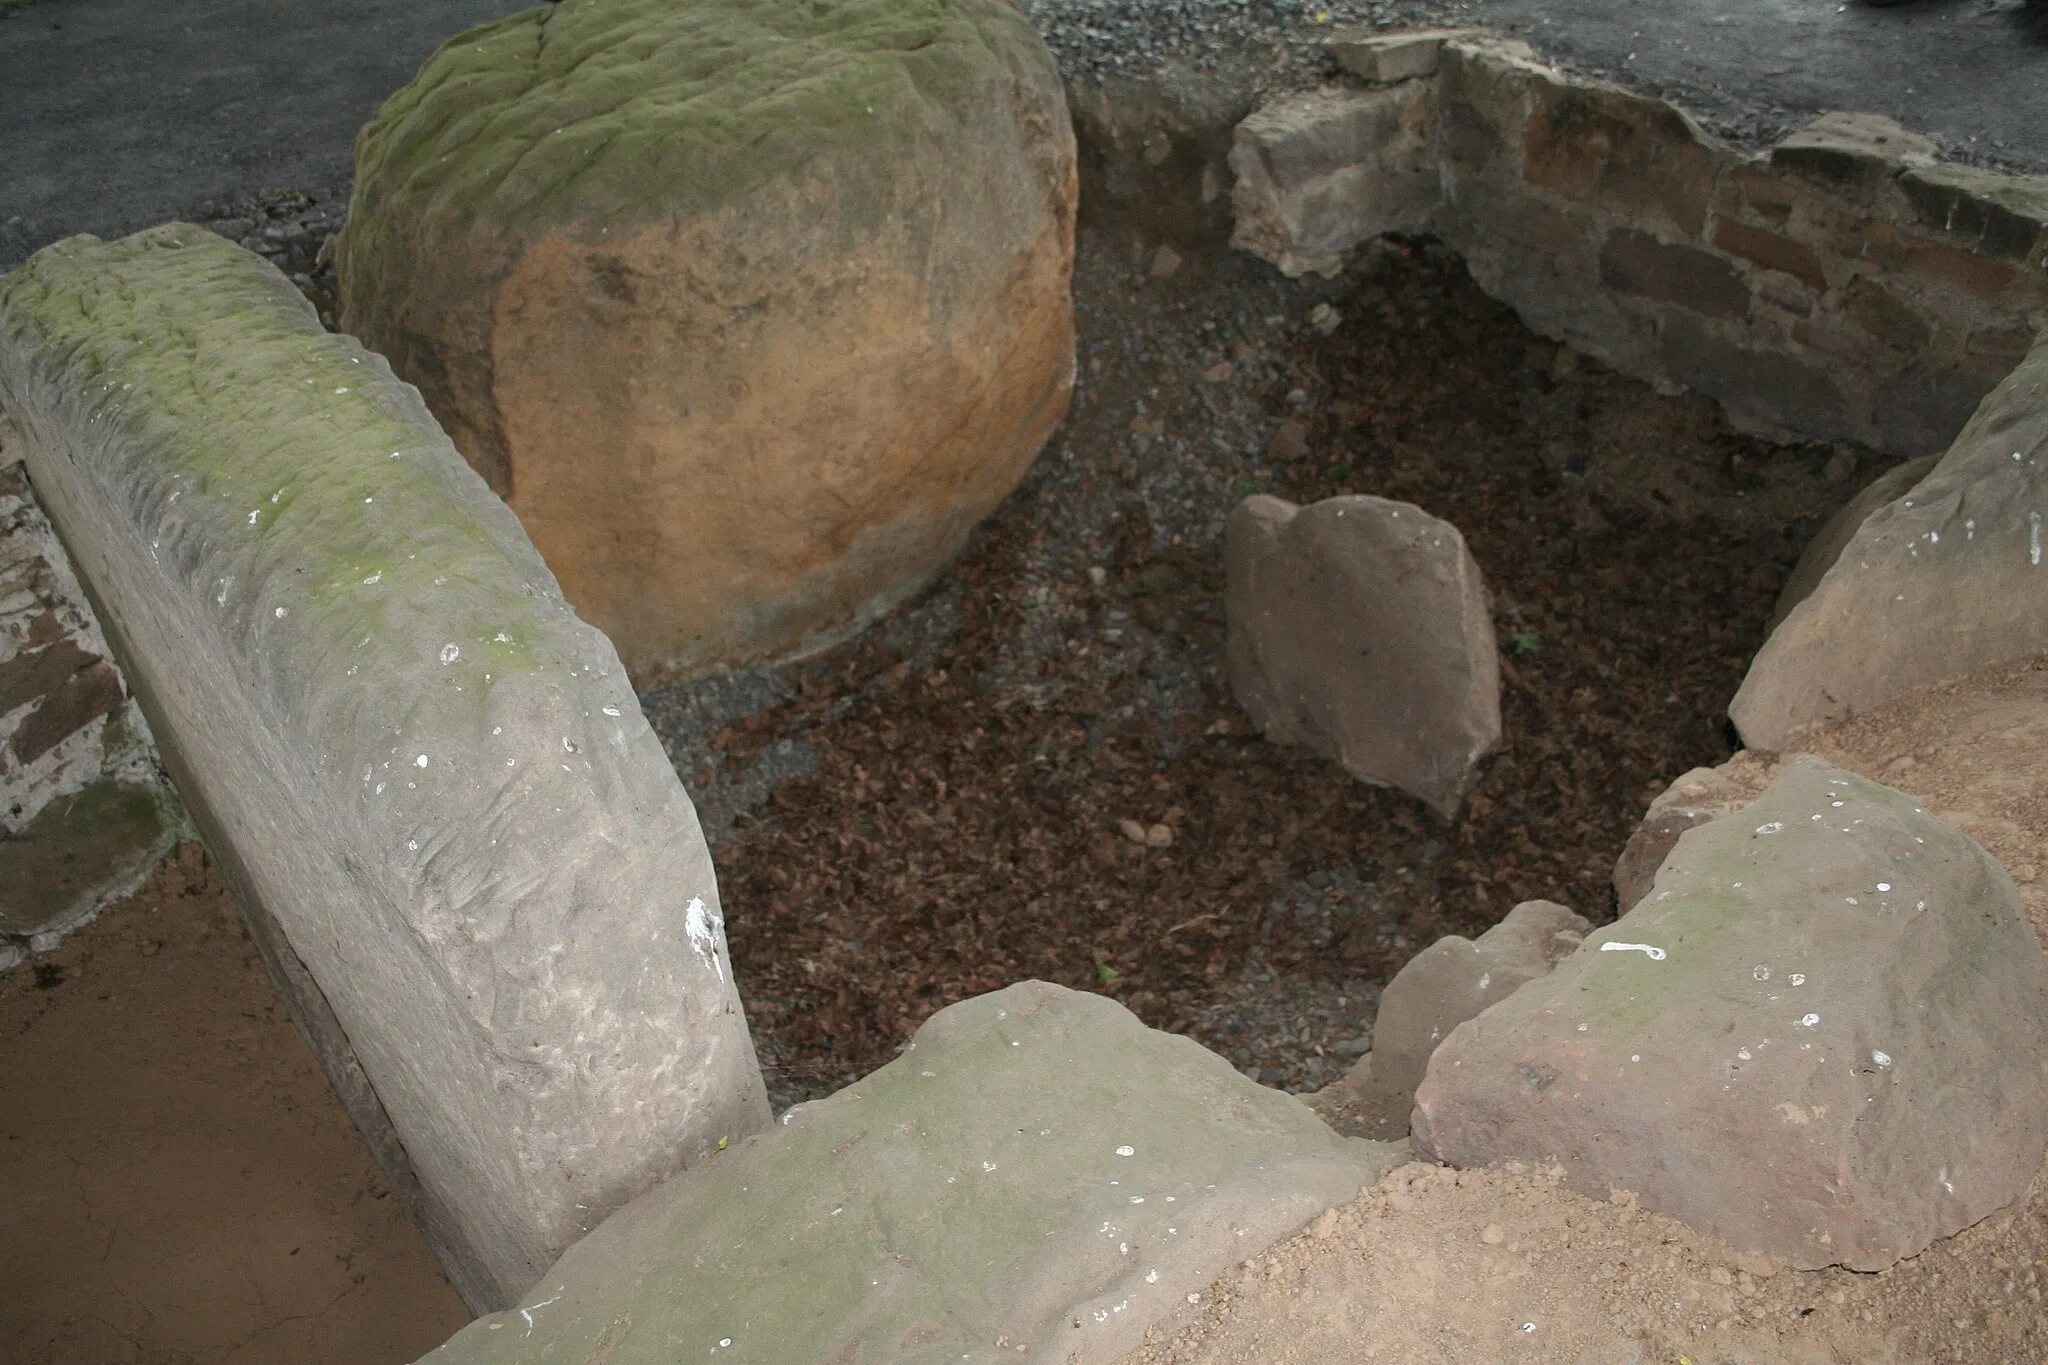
<point>116,114</point>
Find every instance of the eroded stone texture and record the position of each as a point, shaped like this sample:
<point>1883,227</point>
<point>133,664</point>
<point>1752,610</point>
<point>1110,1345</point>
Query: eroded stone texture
<point>1322,171</point>
<point>1821,1037</point>
<point>456,839</point>
<point>1450,981</point>
<point>750,310</point>
<point>1700,795</point>
<point>1951,578</point>
<point>1359,626</point>
<point>1039,1176</point>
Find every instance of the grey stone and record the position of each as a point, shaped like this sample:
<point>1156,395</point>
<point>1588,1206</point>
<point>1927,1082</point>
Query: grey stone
<point>1701,795</point>
<point>1359,626</point>
<point>1387,58</point>
<point>1322,171</point>
<point>1824,1036</point>
<point>1850,147</point>
<point>454,835</point>
<point>1450,981</point>
<point>1038,1176</point>
<point>1827,544</point>
<point>1944,581</point>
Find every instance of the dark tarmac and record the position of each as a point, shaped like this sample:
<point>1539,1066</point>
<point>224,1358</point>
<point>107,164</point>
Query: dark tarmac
<point>116,114</point>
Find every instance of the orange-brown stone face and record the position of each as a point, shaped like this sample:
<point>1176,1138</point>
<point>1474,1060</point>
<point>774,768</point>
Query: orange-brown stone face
<point>748,349</point>
<point>727,467</point>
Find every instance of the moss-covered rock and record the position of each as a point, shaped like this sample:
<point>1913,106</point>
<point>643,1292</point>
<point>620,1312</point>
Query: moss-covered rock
<point>749,309</point>
<point>1039,1176</point>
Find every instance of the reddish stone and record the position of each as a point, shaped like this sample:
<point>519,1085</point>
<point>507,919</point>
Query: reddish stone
<point>37,672</point>
<point>1770,251</point>
<point>1631,155</point>
<point>1879,312</point>
<point>1936,265</point>
<point>90,693</point>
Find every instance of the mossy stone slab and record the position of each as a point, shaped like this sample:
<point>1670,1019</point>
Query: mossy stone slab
<point>455,836</point>
<point>1038,1177</point>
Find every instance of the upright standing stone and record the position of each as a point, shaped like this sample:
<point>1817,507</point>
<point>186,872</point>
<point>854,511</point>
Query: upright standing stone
<point>750,309</point>
<point>1950,578</point>
<point>456,839</point>
<point>1359,626</point>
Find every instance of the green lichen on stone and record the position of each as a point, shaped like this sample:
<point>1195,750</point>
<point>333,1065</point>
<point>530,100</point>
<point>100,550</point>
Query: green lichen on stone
<point>283,460</point>
<point>629,111</point>
<point>1036,1155</point>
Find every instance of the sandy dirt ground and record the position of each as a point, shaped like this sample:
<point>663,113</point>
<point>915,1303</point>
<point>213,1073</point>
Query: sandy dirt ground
<point>178,1185</point>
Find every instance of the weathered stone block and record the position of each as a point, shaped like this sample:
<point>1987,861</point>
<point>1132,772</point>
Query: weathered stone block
<point>1320,172</point>
<point>1637,263</point>
<point>454,834</point>
<point>1986,213</point>
<point>1038,1176</point>
<point>1821,1037</point>
<point>1852,151</point>
<point>1936,266</point>
<point>1788,391</point>
<point>1771,251</point>
<point>751,310</point>
<point>1360,627</point>
<point>1637,158</point>
<point>1943,582</point>
<point>1386,58</point>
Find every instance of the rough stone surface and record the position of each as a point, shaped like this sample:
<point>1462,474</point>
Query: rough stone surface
<point>1320,172</point>
<point>1828,543</point>
<point>454,835</point>
<point>1038,1176</point>
<point>1389,57</point>
<point>81,851</point>
<point>1947,580</point>
<point>749,310</point>
<point>1822,1036</point>
<point>1701,795</point>
<point>1442,986</point>
<point>1360,627</point>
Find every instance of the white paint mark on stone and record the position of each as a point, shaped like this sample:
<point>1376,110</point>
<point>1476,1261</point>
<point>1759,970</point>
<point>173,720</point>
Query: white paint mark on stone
<point>255,514</point>
<point>1151,1277</point>
<point>988,1165</point>
<point>1772,828</point>
<point>374,579</point>
<point>1653,953</point>
<point>1743,1054</point>
<point>1126,1151</point>
<point>1760,972</point>
<point>2034,539</point>
<point>1883,1059</point>
<point>611,710</point>
<point>420,762</point>
<point>450,653</point>
<point>1884,886</point>
<point>282,613</point>
<point>1808,1020</point>
<point>697,924</point>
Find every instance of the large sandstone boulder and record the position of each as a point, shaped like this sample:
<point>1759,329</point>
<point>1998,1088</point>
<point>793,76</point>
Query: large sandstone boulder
<point>1948,579</point>
<point>1360,627</point>
<point>750,309</point>
<point>1833,537</point>
<point>1039,1176</point>
<point>1450,981</point>
<point>1824,1036</point>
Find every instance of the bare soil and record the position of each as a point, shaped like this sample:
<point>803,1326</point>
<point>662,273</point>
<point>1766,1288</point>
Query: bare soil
<point>975,772</point>
<point>178,1185</point>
